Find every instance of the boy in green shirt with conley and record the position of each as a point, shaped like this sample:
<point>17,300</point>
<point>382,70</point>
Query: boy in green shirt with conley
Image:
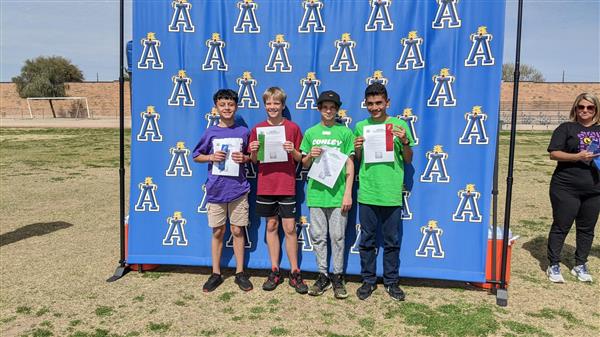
<point>380,196</point>
<point>329,206</point>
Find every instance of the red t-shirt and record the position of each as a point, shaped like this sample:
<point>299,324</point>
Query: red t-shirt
<point>279,178</point>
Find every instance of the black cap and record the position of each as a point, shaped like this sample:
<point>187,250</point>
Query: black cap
<point>329,96</point>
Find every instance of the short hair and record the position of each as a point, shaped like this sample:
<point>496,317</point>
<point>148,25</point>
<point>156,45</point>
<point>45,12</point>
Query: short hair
<point>227,94</point>
<point>275,93</point>
<point>376,89</point>
<point>590,98</point>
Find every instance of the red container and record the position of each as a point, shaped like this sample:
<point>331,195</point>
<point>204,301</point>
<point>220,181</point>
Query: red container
<point>488,265</point>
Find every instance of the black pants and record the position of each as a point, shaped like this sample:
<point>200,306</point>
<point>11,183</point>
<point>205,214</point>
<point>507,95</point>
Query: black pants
<point>570,205</point>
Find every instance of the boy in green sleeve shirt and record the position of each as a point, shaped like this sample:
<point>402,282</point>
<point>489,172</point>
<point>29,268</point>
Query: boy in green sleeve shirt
<point>329,206</point>
<point>380,194</point>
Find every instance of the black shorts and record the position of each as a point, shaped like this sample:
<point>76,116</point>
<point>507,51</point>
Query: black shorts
<point>273,205</point>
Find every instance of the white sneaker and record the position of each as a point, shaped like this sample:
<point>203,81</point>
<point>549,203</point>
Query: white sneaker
<point>554,274</point>
<point>581,272</point>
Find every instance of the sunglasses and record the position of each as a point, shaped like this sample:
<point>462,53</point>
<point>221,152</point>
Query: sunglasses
<point>586,107</point>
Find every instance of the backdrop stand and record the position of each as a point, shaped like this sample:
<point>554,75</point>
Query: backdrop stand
<point>123,268</point>
<point>502,292</point>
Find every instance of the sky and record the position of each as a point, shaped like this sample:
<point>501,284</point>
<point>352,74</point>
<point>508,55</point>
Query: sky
<point>557,36</point>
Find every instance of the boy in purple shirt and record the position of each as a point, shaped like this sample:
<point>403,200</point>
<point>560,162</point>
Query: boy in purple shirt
<point>226,186</point>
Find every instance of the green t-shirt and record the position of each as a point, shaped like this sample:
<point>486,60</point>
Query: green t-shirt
<point>381,184</point>
<point>336,136</point>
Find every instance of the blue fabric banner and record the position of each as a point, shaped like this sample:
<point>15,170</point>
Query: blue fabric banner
<point>441,61</point>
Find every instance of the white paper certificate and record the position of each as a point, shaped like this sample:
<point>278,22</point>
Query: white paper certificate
<point>274,139</point>
<point>327,167</point>
<point>374,150</point>
<point>227,167</point>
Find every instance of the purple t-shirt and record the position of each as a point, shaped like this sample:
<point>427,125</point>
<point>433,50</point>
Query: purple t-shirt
<point>222,189</point>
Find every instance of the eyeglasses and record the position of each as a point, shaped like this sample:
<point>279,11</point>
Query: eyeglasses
<point>586,107</point>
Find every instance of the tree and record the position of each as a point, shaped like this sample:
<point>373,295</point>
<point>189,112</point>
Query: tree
<point>46,77</point>
<point>526,73</point>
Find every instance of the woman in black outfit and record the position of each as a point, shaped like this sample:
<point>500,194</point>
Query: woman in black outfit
<point>575,186</point>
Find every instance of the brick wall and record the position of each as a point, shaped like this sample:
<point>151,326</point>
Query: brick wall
<point>103,98</point>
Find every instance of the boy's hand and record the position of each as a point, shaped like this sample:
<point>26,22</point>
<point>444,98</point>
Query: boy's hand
<point>288,146</point>
<point>346,203</point>
<point>358,142</point>
<point>399,132</point>
<point>254,146</point>
<point>315,152</point>
<point>219,156</point>
<point>238,157</point>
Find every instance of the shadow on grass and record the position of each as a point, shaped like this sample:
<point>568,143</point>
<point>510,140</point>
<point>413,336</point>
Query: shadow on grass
<point>537,247</point>
<point>36,229</point>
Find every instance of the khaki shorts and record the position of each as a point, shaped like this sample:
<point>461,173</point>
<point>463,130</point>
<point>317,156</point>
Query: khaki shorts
<point>236,210</point>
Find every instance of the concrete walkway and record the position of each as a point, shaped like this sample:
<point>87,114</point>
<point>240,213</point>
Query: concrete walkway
<point>62,123</point>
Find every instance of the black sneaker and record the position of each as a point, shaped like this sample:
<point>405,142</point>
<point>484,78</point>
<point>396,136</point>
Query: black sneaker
<point>273,280</point>
<point>297,282</point>
<point>321,285</point>
<point>395,292</point>
<point>212,283</point>
<point>339,289</point>
<point>365,290</point>
<point>241,279</point>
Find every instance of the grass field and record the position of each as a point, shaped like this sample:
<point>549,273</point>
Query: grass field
<point>59,242</point>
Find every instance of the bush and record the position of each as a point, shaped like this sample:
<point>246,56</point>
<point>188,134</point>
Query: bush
<point>46,77</point>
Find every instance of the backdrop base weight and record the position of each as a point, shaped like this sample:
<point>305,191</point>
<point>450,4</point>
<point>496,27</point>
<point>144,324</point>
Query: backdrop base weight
<point>119,272</point>
<point>502,297</point>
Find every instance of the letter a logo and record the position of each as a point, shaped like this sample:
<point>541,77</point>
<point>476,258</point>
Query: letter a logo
<point>468,207</point>
<point>410,119</point>
<point>215,59</point>
<point>149,130</point>
<point>247,243</point>
<point>376,78</point>
<point>446,13</point>
<point>475,128</point>
<point>181,90</point>
<point>176,231</point>
<point>430,242</point>
<point>435,171</point>
<point>150,58</point>
<point>247,18</point>
<point>344,55</point>
<point>304,238</point>
<point>203,205</point>
<point>246,91</point>
<point>406,213</point>
<point>310,92</point>
<point>380,16</point>
<point>212,118</point>
<point>147,199</point>
<point>312,17</point>
<point>181,17</point>
<point>179,164</point>
<point>442,90</point>
<point>411,57</point>
<point>279,56</point>
<point>480,49</point>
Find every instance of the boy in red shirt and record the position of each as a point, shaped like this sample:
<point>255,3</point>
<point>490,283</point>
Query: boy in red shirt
<point>276,192</point>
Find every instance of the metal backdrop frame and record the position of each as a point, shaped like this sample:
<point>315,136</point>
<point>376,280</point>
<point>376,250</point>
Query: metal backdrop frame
<point>501,290</point>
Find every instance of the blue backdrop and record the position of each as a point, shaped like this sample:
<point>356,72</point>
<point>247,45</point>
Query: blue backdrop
<point>440,60</point>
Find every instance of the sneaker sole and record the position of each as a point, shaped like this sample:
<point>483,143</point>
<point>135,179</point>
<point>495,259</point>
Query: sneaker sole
<point>242,288</point>
<point>341,296</point>
<point>579,278</point>
<point>319,293</point>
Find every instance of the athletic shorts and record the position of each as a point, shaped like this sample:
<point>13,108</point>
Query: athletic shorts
<point>273,205</point>
<point>236,210</point>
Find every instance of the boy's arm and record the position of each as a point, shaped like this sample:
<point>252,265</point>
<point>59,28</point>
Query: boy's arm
<point>347,201</point>
<point>407,153</point>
